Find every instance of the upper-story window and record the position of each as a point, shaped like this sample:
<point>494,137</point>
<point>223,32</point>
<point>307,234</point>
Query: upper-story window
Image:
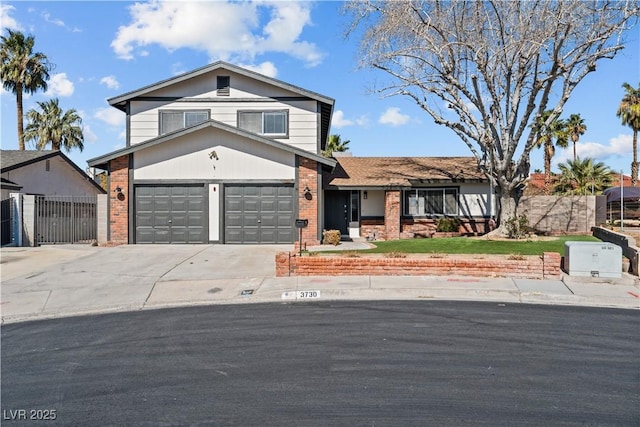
<point>431,201</point>
<point>268,123</point>
<point>171,120</point>
<point>223,85</point>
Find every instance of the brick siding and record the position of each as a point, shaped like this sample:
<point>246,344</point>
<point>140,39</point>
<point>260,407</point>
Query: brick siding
<point>308,209</point>
<point>119,209</point>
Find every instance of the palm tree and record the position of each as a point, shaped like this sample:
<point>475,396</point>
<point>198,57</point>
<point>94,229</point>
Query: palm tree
<point>22,70</point>
<point>546,133</point>
<point>335,144</point>
<point>629,113</point>
<point>581,177</point>
<point>54,126</point>
<point>575,128</point>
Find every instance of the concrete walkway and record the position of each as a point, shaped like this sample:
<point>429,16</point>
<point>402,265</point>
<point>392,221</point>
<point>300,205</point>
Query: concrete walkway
<point>56,281</point>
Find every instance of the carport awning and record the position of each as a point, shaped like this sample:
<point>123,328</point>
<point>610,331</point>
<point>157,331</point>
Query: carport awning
<point>615,194</point>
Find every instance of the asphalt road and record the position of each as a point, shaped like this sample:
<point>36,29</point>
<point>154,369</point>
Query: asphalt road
<point>327,364</point>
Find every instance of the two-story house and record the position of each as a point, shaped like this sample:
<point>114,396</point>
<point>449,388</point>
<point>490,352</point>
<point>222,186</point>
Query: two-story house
<point>219,154</point>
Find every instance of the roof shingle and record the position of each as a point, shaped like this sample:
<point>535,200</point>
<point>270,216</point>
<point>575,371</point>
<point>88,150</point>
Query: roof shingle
<point>403,171</point>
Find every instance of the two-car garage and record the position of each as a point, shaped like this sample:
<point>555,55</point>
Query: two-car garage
<point>179,213</point>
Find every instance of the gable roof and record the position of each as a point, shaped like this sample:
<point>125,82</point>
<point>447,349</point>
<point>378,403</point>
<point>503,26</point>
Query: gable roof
<point>16,159</point>
<point>403,171</point>
<point>101,161</point>
<point>326,103</point>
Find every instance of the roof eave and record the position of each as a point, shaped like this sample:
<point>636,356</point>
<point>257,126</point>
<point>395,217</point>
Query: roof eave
<point>101,162</point>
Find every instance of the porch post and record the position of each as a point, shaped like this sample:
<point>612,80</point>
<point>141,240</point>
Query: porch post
<point>392,214</point>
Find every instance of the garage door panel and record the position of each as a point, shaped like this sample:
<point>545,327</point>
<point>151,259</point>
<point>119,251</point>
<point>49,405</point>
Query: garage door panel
<point>268,205</point>
<point>285,206</point>
<point>285,191</point>
<point>268,236</point>
<point>268,221</point>
<point>259,213</point>
<point>166,214</point>
<point>286,235</point>
<point>251,205</point>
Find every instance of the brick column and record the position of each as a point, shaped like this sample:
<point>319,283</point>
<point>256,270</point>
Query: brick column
<point>308,205</point>
<point>119,203</point>
<point>392,214</point>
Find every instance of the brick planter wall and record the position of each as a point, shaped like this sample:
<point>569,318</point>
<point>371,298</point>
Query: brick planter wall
<point>531,267</point>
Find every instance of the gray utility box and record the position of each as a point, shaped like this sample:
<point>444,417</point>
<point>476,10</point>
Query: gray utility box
<point>593,259</point>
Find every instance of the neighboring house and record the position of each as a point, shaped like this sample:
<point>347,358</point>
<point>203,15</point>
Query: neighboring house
<point>403,197</point>
<point>219,154</point>
<point>43,173</point>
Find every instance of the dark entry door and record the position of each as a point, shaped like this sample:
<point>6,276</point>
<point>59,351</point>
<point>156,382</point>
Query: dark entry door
<point>336,211</point>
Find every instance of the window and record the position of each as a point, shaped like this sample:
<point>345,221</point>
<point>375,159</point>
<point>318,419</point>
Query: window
<point>224,85</point>
<point>431,201</point>
<point>355,202</point>
<point>174,120</point>
<point>264,122</point>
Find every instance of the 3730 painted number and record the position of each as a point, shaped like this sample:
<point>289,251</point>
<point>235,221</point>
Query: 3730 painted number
<point>308,294</point>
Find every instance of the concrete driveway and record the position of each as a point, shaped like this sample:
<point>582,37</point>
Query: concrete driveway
<point>51,280</point>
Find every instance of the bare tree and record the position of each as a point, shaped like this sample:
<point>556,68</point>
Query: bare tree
<point>489,69</point>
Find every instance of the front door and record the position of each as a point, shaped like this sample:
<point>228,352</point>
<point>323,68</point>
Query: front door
<point>336,211</point>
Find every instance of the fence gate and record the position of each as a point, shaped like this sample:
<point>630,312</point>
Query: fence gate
<point>66,219</point>
<point>6,216</point>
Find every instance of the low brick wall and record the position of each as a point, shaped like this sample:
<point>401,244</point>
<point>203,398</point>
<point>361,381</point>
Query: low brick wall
<point>529,267</point>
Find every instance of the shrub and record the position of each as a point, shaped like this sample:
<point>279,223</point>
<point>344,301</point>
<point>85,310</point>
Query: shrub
<point>394,254</point>
<point>331,237</point>
<point>518,226</point>
<point>516,257</point>
<point>448,225</point>
<point>351,254</point>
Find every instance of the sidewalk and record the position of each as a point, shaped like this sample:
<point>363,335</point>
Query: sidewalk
<point>58,281</point>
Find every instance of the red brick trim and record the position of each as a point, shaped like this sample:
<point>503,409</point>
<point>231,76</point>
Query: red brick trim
<point>308,199</point>
<point>119,203</point>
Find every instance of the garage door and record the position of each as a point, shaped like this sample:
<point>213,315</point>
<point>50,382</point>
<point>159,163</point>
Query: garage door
<point>259,214</point>
<point>170,214</point>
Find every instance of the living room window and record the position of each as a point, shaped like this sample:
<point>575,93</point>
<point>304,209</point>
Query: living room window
<point>268,123</point>
<point>171,120</point>
<point>431,201</point>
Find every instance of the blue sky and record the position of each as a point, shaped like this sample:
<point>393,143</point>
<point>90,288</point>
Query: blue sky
<point>105,48</point>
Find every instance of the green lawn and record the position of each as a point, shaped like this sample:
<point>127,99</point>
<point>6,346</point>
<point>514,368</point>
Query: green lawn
<point>464,245</point>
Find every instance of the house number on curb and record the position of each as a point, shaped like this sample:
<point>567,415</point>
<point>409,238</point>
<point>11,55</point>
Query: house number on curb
<point>308,294</point>
<point>296,295</point>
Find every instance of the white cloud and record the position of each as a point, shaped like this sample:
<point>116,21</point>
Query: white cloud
<point>267,68</point>
<point>110,116</point>
<point>110,81</point>
<point>225,30</point>
<point>89,136</point>
<point>393,117</point>
<point>58,22</point>
<point>8,21</point>
<point>618,146</point>
<point>47,17</point>
<point>338,121</point>
<point>60,85</point>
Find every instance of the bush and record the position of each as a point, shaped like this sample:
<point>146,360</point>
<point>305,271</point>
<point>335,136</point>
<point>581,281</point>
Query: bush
<point>518,227</point>
<point>331,237</point>
<point>448,225</point>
